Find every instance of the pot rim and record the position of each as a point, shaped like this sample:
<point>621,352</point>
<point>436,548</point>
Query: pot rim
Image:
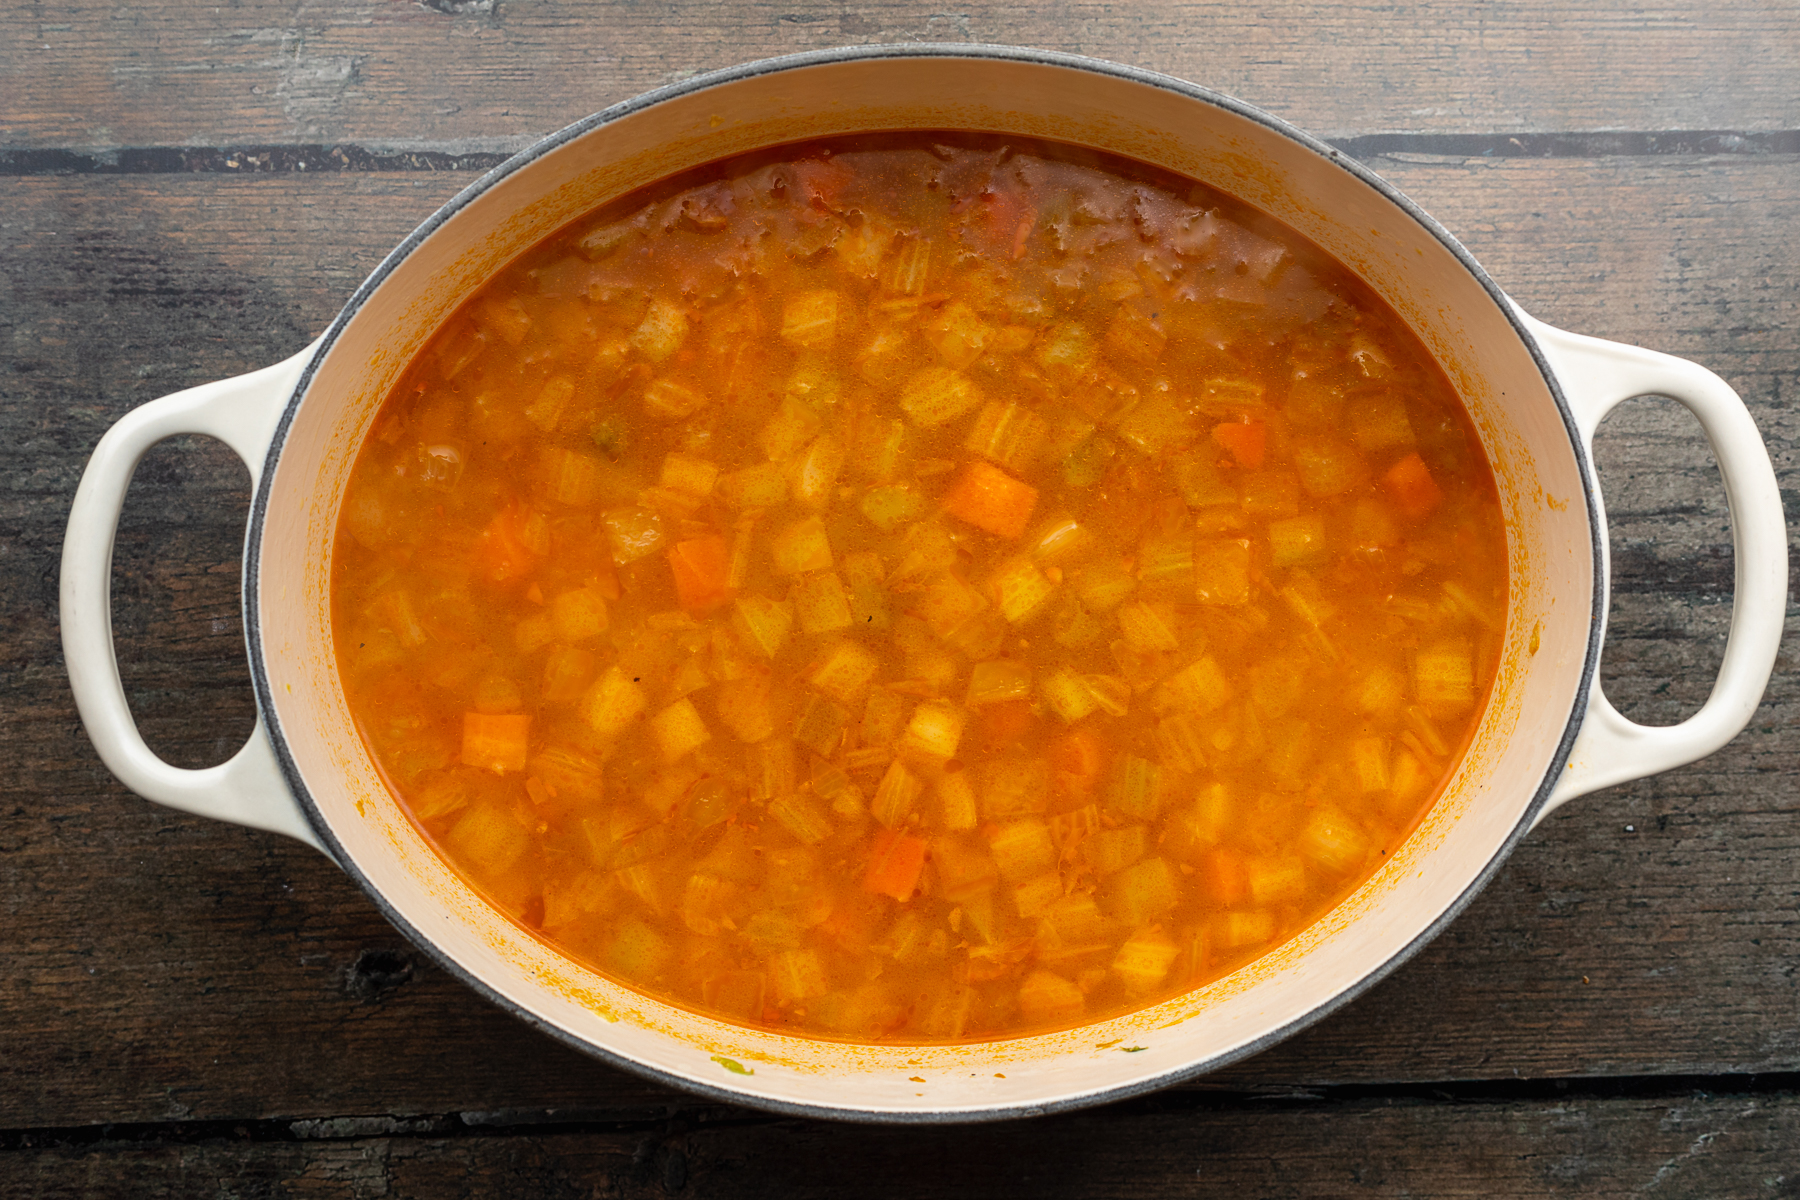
<point>265,697</point>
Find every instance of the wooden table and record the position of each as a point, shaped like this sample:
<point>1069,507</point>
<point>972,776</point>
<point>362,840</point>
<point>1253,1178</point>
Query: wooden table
<point>188,1008</point>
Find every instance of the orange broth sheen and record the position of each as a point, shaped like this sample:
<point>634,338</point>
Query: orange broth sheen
<point>919,588</point>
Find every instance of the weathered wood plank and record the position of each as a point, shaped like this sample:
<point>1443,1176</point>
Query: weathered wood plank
<point>1698,1145</point>
<point>466,73</point>
<point>163,967</point>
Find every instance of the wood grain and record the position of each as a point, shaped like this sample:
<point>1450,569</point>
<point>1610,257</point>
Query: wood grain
<point>162,968</point>
<point>1683,1145</point>
<point>468,74</point>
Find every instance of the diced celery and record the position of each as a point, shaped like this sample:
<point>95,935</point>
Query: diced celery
<point>695,476</point>
<point>865,580</point>
<point>1148,627</point>
<point>794,424</point>
<point>1141,893</point>
<point>998,680</point>
<point>1271,493</point>
<point>1068,350</point>
<point>1369,759</point>
<point>802,817</point>
<point>1104,585</point>
<point>567,670</point>
<point>613,703</point>
<point>1154,426</point>
<point>910,269</point>
<point>1199,689</point>
<point>1076,921</point>
<point>1333,841</point>
<point>1222,571</point>
<point>632,533</point>
<point>679,730</point>
<point>1110,692</point>
<point>402,618</point>
<point>1166,564</point>
<point>1112,850</point>
<point>1022,850</point>
<point>895,795</point>
<point>1444,678</point>
<point>1067,695</point>
<point>956,800</point>
<point>1201,825</point>
<point>579,614</point>
<point>892,505</point>
<point>705,904</point>
<point>1298,541</point>
<point>1328,467</point>
<point>797,976</point>
<point>817,470</point>
<point>1180,743</point>
<point>1200,481</point>
<point>1137,788</point>
<point>671,401</point>
<point>843,671</point>
<point>821,726</point>
<point>744,706</point>
<point>1010,434</point>
<point>1020,591</point>
<point>761,486</point>
<point>820,603</point>
<point>570,477</point>
<point>1378,422</point>
<point>1086,465</point>
<point>637,951</point>
<point>882,448</point>
<point>661,332</point>
<point>551,400</point>
<point>1382,691</point>
<point>926,548</point>
<point>1143,962</point>
<point>1034,895</point>
<point>772,768</point>
<point>1046,998</point>
<point>1013,786</point>
<point>761,623</point>
<point>958,335</point>
<point>1275,879</point>
<point>937,395</point>
<point>935,729</point>
<point>488,836</point>
<point>801,547</point>
<point>882,361</point>
<point>810,319</point>
<point>1236,930</point>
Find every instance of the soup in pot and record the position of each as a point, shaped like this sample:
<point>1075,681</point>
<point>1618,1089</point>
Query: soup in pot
<point>920,588</point>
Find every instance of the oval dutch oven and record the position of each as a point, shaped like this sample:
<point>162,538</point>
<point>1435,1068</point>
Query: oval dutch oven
<point>1535,394</point>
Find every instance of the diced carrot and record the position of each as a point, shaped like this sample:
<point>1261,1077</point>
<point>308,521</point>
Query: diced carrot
<point>1247,441</point>
<point>1227,880</point>
<point>895,864</point>
<point>1410,484</point>
<point>990,499</point>
<point>1004,725</point>
<point>700,567</point>
<point>1079,754</point>
<point>500,549</point>
<point>496,742</point>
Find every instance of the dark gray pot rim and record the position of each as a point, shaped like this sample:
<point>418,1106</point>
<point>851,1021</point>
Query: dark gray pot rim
<point>265,697</point>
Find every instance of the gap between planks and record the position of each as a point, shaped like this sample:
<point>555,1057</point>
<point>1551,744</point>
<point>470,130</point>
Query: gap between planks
<point>426,156</point>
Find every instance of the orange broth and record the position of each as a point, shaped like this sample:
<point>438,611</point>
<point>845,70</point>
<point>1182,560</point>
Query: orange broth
<point>919,588</point>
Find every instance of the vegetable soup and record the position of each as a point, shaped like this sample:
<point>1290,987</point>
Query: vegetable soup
<point>919,588</point>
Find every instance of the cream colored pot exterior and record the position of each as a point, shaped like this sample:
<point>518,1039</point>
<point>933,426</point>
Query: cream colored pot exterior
<point>1535,394</point>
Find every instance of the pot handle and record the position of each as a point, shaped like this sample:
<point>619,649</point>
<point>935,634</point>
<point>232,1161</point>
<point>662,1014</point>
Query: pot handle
<point>249,788</point>
<point>1597,376</point>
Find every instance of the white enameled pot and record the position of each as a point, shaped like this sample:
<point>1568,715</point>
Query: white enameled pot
<point>1535,393</point>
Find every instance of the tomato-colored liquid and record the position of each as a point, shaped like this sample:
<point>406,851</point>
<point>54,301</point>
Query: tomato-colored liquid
<point>919,589</point>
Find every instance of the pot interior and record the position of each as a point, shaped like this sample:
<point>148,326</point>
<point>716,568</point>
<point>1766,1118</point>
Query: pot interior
<point>1485,805</point>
